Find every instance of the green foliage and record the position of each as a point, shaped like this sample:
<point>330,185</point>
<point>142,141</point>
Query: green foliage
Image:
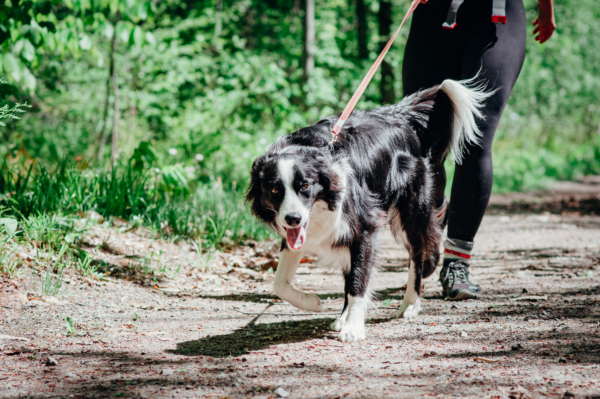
<point>11,113</point>
<point>206,212</point>
<point>551,126</point>
<point>30,30</point>
<point>143,157</point>
<point>6,112</point>
<point>85,267</point>
<point>46,231</point>
<point>205,101</point>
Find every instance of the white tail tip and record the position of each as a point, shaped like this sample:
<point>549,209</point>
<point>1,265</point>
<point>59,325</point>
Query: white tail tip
<point>467,98</point>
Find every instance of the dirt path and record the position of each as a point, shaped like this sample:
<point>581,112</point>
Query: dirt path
<point>534,332</point>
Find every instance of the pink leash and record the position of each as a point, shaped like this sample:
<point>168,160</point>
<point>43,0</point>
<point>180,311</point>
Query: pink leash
<point>365,82</point>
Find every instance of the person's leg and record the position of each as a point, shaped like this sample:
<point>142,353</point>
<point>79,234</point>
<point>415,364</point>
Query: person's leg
<point>496,52</point>
<point>432,55</point>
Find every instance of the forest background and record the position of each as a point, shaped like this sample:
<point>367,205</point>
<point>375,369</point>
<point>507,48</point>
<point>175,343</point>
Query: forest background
<point>154,110</point>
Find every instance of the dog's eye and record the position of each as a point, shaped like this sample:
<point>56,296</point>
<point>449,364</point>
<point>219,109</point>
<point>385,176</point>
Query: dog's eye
<point>304,186</point>
<point>274,190</point>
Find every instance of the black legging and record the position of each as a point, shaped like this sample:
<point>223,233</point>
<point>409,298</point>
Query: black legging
<point>476,44</point>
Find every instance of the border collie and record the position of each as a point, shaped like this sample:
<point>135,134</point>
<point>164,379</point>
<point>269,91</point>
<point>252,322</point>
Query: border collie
<point>329,196</point>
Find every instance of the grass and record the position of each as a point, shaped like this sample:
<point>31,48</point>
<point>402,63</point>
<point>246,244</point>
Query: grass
<point>9,264</point>
<point>41,210</point>
<point>207,212</point>
<point>85,266</point>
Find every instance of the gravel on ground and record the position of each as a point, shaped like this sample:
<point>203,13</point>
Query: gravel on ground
<point>534,332</point>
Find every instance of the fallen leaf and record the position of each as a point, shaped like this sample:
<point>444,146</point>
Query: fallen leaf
<point>483,359</point>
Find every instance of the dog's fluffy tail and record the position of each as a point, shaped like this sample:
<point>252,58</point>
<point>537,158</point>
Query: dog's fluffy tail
<point>443,117</point>
<point>466,98</point>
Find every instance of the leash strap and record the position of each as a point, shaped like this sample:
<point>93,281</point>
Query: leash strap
<point>498,13</point>
<point>365,82</point>
<point>451,18</point>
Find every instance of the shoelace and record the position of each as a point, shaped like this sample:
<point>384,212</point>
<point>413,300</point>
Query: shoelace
<point>459,269</point>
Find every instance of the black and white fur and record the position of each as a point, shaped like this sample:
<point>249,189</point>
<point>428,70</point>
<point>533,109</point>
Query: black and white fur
<point>330,198</point>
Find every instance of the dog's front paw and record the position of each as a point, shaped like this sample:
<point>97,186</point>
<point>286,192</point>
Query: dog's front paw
<point>338,324</point>
<point>352,332</point>
<point>313,303</point>
<point>409,311</point>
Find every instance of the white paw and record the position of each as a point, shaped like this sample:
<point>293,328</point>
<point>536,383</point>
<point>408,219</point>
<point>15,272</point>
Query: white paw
<point>313,303</point>
<point>352,332</point>
<point>409,311</point>
<point>338,324</point>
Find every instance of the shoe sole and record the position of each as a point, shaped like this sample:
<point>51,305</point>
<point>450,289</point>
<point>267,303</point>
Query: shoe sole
<point>463,295</point>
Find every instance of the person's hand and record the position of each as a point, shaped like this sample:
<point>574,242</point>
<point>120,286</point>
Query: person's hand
<point>545,23</point>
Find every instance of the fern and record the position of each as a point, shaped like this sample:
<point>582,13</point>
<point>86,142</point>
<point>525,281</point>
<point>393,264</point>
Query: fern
<point>11,113</point>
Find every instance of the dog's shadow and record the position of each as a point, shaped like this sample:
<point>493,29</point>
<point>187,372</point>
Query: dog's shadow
<point>255,337</point>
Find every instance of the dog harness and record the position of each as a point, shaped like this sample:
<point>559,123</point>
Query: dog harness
<point>498,13</point>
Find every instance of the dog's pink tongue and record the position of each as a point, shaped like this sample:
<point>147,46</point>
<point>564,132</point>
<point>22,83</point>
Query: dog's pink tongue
<point>296,237</point>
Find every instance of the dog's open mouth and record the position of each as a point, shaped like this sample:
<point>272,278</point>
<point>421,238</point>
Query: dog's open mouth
<point>297,236</point>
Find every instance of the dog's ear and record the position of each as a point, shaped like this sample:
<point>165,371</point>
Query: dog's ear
<point>339,172</point>
<point>254,191</point>
<point>333,179</point>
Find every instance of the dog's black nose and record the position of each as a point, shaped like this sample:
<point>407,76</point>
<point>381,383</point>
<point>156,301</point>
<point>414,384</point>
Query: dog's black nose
<point>293,219</point>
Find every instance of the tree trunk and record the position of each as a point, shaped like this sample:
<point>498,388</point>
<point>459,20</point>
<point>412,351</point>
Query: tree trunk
<point>115,128</point>
<point>248,31</point>
<point>361,17</point>
<point>218,23</point>
<point>309,38</point>
<point>387,74</point>
<point>111,69</point>
<point>102,136</point>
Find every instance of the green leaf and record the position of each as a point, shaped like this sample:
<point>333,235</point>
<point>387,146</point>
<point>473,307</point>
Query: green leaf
<point>174,177</point>
<point>386,302</point>
<point>42,7</point>
<point>70,329</point>
<point>150,38</point>
<point>10,225</point>
<point>35,34</point>
<point>28,51</point>
<point>108,29</point>
<point>142,11</point>
<point>143,156</point>
<point>125,33</point>
<point>29,80</point>
<point>138,36</point>
<point>71,237</point>
<point>13,67</point>
<point>85,43</point>
<point>48,25</point>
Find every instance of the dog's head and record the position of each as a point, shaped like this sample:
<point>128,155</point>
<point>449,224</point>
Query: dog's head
<point>285,184</point>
